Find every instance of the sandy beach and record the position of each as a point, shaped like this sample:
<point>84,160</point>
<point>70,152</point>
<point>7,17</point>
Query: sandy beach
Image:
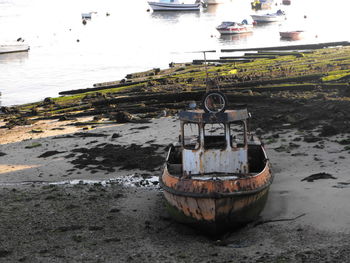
<point>57,207</point>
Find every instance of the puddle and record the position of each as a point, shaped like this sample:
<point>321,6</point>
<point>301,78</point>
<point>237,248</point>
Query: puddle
<point>342,185</point>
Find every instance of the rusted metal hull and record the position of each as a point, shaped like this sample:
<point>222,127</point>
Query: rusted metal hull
<point>216,204</point>
<point>225,213</point>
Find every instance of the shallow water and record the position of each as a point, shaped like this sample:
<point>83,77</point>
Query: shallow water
<point>66,55</point>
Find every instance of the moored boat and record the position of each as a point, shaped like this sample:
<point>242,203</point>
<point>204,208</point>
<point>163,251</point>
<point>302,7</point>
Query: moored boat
<point>217,176</point>
<point>269,17</point>
<point>4,49</point>
<point>228,27</point>
<point>174,5</point>
<point>292,35</point>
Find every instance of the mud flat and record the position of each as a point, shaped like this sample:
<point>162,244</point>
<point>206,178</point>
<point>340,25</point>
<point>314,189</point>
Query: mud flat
<point>64,199</point>
<point>78,174</point>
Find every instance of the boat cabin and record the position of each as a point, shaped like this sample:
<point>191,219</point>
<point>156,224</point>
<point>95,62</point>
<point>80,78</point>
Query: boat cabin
<point>214,142</point>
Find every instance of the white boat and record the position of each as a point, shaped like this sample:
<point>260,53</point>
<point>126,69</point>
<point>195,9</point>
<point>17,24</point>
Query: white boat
<point>228,27</point>
<point>273,17</point>
<point>87,15</point>
<point>174,5</point>
<point>4,49</point>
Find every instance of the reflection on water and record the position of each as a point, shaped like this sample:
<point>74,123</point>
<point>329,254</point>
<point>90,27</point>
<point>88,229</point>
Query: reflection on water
<point>211,9</point>
<point>174,16</point>
<point>236,37</point>
<point>19,57</point>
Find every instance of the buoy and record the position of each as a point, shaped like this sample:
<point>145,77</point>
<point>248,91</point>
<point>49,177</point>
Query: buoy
<point>84,22</point>
<point>78,40</point>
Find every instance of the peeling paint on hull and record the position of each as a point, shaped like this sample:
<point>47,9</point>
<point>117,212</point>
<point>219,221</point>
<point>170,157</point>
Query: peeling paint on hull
<point>213,205</point>
<point>221,215</point>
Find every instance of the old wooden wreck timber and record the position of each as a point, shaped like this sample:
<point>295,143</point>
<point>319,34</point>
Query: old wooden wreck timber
<point>217,176</point>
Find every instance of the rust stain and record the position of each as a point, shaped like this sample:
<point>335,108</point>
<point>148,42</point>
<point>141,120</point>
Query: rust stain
<point>217,186</point>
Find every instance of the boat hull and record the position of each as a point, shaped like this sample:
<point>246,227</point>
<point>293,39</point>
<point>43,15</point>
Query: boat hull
<point>156,6</point>
<point>215,216</point>
<point>231,31</point>
<point>216,204</point>
<point>5,49</point>
<point>266,19</point>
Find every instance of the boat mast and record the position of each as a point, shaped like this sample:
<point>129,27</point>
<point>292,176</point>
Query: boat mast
<point>207,86</point>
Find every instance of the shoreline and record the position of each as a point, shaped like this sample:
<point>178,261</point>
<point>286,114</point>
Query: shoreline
<point>121,136</point>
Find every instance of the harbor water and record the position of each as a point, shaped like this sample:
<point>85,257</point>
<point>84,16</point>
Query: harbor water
<point>124,37</point>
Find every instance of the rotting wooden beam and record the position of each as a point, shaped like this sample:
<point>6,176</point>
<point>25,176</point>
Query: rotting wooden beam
<point>120,85</point>
<point>169,97</point>
<point>292,47</point>
<point>249,56</point>
<point>255,83</point>
<point>201,61</point>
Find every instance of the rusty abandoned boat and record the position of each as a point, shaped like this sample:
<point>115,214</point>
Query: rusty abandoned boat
<point>217,176</point>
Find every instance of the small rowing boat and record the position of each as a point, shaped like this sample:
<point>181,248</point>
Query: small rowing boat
<point>174,5</point>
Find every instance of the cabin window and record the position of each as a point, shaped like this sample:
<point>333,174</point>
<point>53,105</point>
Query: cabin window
<point>237,134</point>
<point>191,136</point>
<point>214,136</point>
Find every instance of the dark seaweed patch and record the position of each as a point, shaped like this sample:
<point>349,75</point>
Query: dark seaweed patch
<point>109,156</point>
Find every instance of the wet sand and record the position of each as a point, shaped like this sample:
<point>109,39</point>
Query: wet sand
<point>116,213</point>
